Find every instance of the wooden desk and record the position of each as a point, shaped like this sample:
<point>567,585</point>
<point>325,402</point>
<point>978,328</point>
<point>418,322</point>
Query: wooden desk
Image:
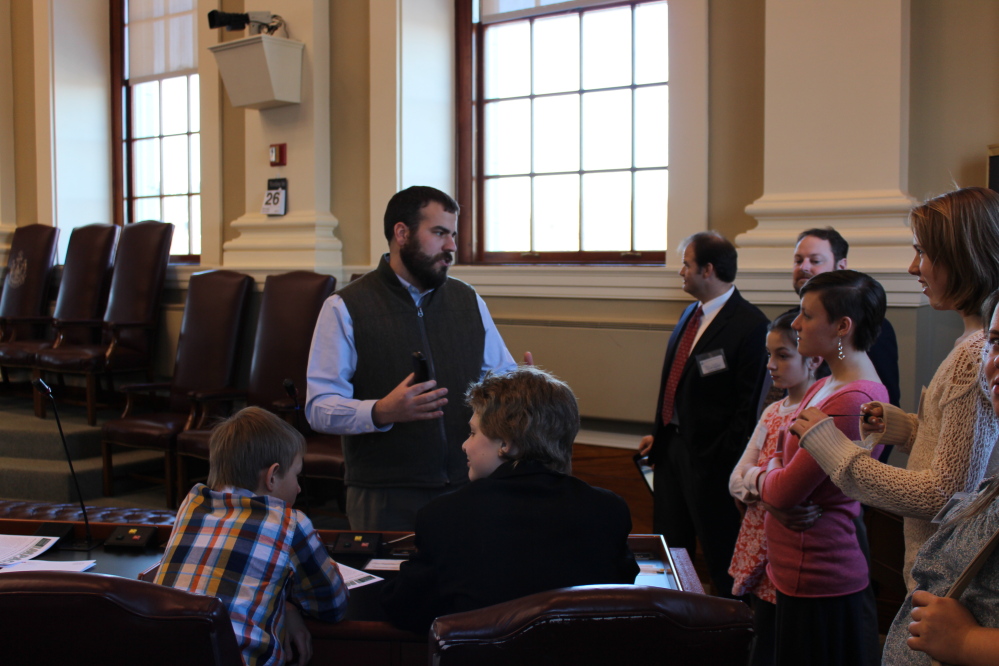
<point>364,636</point>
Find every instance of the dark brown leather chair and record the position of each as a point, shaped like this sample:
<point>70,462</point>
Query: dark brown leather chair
<point>131,319</point>
<point>288,311</point>
<point>83,292</point>
<point>597,624</point>
<point>65,618</point>
<point>206,360</point>
<point>32,255</point>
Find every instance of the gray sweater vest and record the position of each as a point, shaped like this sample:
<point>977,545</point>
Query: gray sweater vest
<point>388,328</point>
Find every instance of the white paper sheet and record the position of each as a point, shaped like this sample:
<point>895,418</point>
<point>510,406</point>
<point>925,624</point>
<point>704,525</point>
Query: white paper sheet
<point>45,565</point>
<point>383,565</point>
<point>355,578</point>
<point>15,548</point>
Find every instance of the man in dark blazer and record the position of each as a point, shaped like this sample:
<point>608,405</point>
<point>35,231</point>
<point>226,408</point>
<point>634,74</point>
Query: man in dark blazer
<point>707,406</point>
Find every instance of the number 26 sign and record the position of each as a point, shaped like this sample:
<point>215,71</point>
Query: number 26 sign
<point>276,198</point>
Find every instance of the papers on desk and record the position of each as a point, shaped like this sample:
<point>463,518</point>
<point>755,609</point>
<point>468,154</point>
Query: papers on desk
<point>355,578</point>
<point>44,565</point>
<point>383,565</point>
<point>15,549</point>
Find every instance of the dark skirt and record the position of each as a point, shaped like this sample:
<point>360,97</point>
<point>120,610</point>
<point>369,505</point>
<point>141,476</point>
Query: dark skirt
<point>827,631</point>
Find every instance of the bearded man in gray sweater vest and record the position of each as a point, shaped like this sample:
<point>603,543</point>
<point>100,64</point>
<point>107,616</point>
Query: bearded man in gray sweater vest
<point>402,439</point>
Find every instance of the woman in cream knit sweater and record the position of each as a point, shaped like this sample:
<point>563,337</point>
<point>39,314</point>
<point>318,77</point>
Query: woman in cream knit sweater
<point>950,439</point>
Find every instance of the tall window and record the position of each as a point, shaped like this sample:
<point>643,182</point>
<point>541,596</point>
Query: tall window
<point>160,118</point>
<point>570,131</point>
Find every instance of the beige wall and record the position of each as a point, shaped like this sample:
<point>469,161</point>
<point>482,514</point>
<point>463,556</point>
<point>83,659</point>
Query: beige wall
<point>735,169</point>
<point>24,112</point>
<point>954,94</point>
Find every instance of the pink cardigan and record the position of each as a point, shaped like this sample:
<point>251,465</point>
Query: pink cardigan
<point>824,560</point>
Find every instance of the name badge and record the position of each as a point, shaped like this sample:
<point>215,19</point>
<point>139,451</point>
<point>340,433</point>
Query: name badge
<point>711,363</point>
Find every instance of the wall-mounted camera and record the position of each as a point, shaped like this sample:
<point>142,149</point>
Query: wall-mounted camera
<point>259,22</point>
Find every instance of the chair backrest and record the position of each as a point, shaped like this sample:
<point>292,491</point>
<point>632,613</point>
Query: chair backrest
<point>209,333</point>
<point>137,280</point>
<point>288,313</point>
<point>32,255</point>
<point>86,274</point>
<point>97,619</point>
<point>597,624</point>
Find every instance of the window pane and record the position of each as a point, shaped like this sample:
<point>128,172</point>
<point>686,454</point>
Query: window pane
<point>607,211</point>
<point>651,197</point>
<point>607,130</point>
<point>147,209</point>
<point>556,54</point>
<point>146,109</point>
<point>652,126</point>
<point>175,163</point>
<point>175,211</point>
<point>195,163</point>
<point>508,132</point>
<point>508,214</point>
<point>556,133</point>
<point>146,167</point>
<point>196,224</point>
<point>508,60</point>
<point>607,48</point>
<point>651,43</point>
<point>556,213</point>
<point>174,92</point>
<point>195,102</point>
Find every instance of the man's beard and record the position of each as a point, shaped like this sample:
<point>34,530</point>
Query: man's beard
<point>422,266</point>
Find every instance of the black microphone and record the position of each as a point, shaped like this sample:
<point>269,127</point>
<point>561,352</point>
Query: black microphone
<point>292,391</point>
<point>89,544</point>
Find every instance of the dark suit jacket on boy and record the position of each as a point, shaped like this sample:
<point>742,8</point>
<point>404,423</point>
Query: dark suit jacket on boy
<point>523,530</point>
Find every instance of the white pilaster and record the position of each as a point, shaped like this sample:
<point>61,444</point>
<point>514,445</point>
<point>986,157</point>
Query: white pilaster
<point>8,210</point>
<point>836,133</point>
<point>304,237</point>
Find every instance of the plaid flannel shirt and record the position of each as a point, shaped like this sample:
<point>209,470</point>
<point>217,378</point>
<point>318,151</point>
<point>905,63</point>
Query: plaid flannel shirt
<point>254,553</point>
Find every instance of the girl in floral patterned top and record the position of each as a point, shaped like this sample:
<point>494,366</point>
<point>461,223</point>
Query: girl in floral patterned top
<point>795,373</point>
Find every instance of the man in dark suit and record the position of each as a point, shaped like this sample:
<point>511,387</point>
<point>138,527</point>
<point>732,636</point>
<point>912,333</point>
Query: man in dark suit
<point>707,403</point>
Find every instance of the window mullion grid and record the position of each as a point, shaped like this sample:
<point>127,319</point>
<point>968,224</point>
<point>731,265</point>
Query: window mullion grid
<point>634,134</point>
<point>579,202</point>
<point>533,249</point>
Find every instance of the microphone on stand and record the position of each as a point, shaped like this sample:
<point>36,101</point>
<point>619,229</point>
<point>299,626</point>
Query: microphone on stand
<point>292,391</point>
<point>90,543</point>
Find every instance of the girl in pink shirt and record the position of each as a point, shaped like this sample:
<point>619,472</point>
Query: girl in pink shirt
<point>795,373</point>
<point>825,608</point>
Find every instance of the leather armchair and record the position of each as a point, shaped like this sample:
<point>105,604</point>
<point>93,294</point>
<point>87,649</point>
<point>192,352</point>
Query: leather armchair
<point>597,624</point>
<point>206,354</point>
<point>288,312</point>
<point>97,619</point>
<point>83,292</point>
<point>32,255</point>
<point>130,321</point>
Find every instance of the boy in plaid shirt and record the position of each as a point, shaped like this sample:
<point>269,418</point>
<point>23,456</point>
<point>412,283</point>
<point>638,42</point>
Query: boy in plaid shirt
<point>239,539</point>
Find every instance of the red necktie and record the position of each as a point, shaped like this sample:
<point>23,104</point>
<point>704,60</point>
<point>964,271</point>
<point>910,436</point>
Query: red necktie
<point>680,360</point>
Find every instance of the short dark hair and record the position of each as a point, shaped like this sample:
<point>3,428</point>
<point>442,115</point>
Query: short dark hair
<point>837,243</point>
<point>710,247</point>
<point>782,324</point>
<point>959,230</point>
<point>407,206</point>
<point>247,442</point>
<point>530,410</point>
<point>852,294</point>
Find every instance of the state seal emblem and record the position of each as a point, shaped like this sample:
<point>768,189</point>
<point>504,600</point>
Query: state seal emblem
<point>17,270</point>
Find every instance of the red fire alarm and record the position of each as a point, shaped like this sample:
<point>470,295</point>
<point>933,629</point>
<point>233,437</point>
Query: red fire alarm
<point>279,154</point>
